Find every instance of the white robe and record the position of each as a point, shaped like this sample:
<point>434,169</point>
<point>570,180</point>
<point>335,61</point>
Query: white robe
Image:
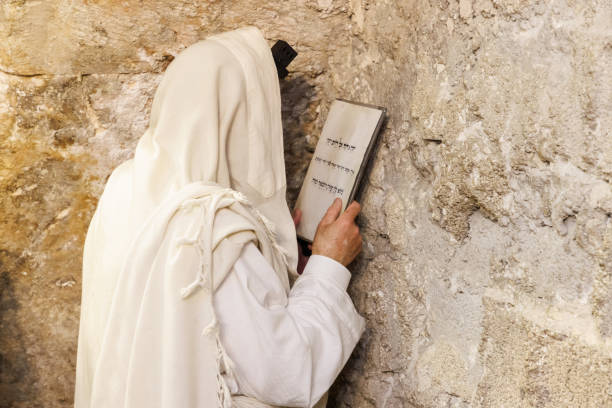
<point>287,350</point>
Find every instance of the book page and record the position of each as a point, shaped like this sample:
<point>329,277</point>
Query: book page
<point>336,162</point>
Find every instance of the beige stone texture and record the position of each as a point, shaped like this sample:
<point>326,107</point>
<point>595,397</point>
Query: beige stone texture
<point>486,275</point>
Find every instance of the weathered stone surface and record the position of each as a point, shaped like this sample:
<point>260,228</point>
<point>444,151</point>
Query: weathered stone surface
<point>58,138</point>
<point>487,214</point>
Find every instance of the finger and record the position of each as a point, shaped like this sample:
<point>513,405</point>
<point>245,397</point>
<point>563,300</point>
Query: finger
<point>332,212</point>
<point>352,210</point>
<point>297,216</point>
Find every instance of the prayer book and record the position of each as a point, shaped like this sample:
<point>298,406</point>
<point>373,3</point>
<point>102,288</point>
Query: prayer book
<point>339,161</point>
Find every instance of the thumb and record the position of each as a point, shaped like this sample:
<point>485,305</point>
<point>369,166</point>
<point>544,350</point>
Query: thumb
<point>332,212</point>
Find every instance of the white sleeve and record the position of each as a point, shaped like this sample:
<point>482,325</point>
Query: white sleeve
<point>286,350</point>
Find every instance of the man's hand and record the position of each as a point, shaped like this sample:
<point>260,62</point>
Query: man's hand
<point>337,235</point>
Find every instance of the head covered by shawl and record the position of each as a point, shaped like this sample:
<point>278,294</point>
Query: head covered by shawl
<point>207,177</point>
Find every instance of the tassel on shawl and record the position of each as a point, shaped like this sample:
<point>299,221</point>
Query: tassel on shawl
<point>224,364</point>
<point>203,246</point>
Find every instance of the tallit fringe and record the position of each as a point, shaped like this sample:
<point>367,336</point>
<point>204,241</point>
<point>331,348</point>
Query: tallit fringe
<point>224,364</point>
<point>203,246</point>
<point>204,274</point>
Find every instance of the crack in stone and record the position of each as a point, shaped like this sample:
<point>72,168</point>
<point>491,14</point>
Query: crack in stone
<point>78,75</point>
<point>19,75</point>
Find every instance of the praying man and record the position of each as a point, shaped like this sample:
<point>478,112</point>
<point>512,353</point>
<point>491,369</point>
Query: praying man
<point>187,262</point>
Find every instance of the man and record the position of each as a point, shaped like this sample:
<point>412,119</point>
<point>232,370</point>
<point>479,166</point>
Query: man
<point>186,297</point>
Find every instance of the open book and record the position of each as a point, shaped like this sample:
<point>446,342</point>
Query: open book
<point>339,161</point>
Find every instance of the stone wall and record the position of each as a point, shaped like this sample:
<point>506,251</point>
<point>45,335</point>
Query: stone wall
<point>487,214</point>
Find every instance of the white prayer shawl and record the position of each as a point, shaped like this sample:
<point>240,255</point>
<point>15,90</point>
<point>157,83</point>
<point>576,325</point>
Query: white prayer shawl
<point>207,177</point>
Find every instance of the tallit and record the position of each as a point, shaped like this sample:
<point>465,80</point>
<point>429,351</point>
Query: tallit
<point>207,177</point>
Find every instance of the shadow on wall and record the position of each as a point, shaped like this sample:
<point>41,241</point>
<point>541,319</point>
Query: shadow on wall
<point>17,378</point>
<point>298,104</point>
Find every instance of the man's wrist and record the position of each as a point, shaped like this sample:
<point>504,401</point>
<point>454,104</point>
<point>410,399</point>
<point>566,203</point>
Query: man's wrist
<point>328,269</point>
